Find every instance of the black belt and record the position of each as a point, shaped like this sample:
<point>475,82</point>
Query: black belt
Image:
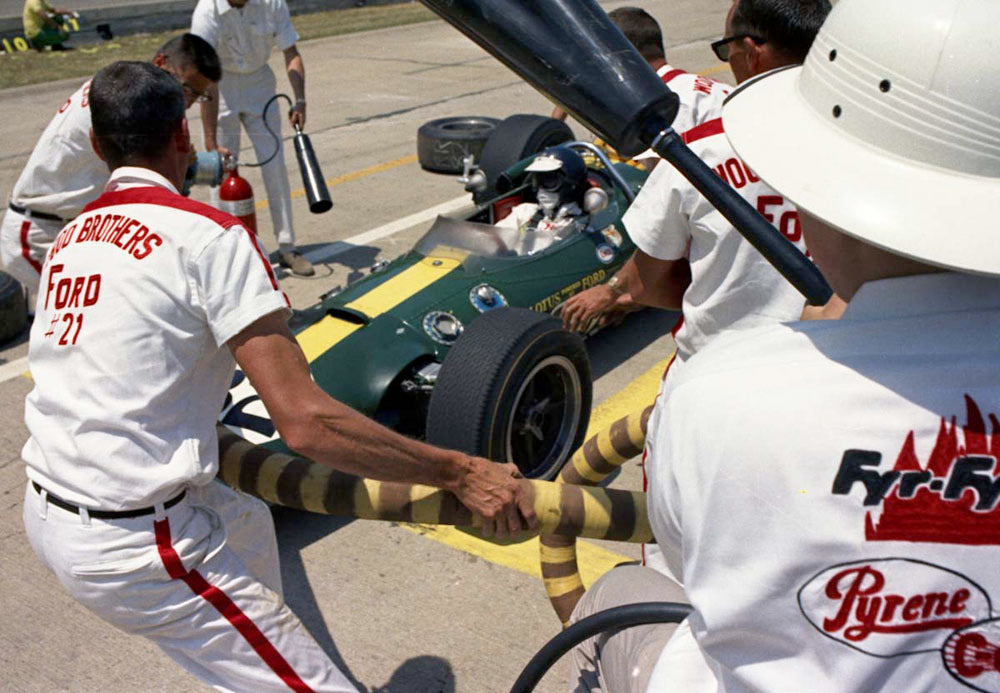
<point>32,213</point>
<point>106,514</point>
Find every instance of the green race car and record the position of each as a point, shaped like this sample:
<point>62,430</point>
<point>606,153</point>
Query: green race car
<point>438,344</point>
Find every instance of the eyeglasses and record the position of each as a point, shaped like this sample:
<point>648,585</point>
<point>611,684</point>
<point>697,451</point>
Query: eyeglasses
<point>192,93</point>
<point>722,47</point>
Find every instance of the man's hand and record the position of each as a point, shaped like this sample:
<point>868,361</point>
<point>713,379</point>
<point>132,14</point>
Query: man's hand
<point>297,115</point>
<point>498,494</point>
<point>579,310</point>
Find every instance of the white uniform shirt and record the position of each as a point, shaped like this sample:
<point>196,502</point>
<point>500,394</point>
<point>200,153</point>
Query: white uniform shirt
<point>63,173</point>
<point>243,37</point>
<point>138,298</point>
<point>828,494</point>
<point>699,99</point>
<point>732,286</point>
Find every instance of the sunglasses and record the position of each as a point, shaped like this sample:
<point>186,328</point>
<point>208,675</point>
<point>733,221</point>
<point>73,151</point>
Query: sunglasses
<point>198,96</point>
<point>722,47</point>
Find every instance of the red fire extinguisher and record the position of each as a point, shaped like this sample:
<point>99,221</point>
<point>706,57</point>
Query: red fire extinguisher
<point>236,198</point>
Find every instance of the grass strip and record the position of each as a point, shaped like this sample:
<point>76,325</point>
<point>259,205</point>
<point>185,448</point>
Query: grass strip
<point>31,67</point>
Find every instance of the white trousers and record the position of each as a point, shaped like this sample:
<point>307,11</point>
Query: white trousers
<point>200,579</point>
<point>241,100</point>
<point>24,241</point>
<point>622,661</point>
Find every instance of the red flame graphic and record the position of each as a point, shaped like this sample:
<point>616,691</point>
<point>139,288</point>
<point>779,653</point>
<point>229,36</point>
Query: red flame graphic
<point>927,516</point>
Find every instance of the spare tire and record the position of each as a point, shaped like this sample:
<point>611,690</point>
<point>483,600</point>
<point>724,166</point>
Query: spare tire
<point>515,387</point>
<point>13,308</point>
<point>443,143</point>
<point>515,138</point>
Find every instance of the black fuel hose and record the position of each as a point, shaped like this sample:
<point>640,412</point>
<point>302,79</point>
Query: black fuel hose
<point>277,138</point>
<point>617,618</point>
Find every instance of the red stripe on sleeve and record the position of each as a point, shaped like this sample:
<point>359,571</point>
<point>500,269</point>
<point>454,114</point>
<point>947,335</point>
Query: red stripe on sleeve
<point>26,249</point>
<point>669,76</point>
<point>267,265</point>
<point>706,129</point>
<point>155,195</point>
<point>228,608</point>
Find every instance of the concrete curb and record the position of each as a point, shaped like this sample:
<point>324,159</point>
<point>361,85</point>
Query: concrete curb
<point>163,16</point>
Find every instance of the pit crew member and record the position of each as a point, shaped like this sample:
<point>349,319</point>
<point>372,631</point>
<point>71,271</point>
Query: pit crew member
<point>244,33</point>
<point>147,302</point>
<point>63,173</point>
<point>826,491</point>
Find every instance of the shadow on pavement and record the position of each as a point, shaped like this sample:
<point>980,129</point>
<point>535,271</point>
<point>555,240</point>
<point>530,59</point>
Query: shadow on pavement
<point>424,674</point>
<point>297,530</point>
<point>614,345</point>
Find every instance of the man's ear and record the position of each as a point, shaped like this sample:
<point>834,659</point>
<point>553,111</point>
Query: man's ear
<point>754,54</point>
<point>160,60</point>
<point>95,146</point>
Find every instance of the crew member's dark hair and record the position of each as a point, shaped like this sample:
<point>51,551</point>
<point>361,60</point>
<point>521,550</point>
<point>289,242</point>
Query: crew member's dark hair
<point>641,30</point>
<point>790,25</point>
<point>135,109</point>
<point>188,50</point>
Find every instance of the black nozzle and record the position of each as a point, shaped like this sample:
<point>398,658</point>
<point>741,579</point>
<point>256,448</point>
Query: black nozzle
<point>570,50</point>
<point>312,176</point>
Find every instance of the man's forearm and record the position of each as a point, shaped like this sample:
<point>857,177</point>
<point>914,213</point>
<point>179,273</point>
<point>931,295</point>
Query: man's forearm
<point>210,118</point>
<point>336,435</point>
<point>296,76</point>
<point>658,283</point>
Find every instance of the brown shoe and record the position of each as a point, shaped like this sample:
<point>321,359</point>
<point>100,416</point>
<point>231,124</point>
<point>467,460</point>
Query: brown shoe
<point>295,261</point>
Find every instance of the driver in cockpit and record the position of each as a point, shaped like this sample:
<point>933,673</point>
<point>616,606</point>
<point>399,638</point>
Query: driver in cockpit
<point>559,182</point>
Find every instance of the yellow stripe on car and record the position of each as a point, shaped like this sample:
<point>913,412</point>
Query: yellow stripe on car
<point>318,338</point>
<point>391,293</point>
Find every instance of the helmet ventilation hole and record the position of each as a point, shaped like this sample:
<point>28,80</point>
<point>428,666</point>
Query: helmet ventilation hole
<point>885,85</point>
<point>833,55</point>
<point>837,110</point>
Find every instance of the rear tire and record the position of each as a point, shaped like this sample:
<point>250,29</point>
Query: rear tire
<point>442,144</point>
<point>13,308</point>
<point>515,138</point>
<point>515,387</point>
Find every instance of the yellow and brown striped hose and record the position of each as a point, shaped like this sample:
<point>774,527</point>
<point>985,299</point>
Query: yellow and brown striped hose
<point>599,456</point>
<point>298,483</point>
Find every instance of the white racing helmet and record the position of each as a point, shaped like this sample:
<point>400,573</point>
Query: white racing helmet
<point>890,131</point>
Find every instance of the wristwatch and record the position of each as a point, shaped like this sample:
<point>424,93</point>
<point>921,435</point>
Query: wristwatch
<point>615,285</point>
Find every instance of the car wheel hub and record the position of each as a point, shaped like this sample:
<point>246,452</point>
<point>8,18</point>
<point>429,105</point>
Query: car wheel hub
<point>545,416</point>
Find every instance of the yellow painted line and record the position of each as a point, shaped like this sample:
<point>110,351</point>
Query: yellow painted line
<point>354,175</point>
<point>316,339</point>
<point>634,397</point>
<point>594,560</point>
<point>724,67</point>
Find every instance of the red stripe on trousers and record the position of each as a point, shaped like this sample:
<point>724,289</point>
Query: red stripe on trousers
<point>225,606</point>
<point>26,249</point>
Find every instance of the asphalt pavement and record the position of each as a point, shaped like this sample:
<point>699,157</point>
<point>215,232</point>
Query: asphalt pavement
<point>403,609</point>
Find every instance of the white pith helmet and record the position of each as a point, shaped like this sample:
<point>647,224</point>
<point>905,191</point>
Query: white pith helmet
<point>890,131</point>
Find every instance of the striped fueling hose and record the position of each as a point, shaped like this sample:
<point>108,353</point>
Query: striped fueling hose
<point>599,456</point>
<point>295,482</point>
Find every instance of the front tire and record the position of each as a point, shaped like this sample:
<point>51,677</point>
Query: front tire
<point>516,388</point>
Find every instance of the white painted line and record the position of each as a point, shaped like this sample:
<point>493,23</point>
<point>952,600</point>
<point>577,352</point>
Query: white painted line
<point>330,251</point>
<point>14,369</point>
